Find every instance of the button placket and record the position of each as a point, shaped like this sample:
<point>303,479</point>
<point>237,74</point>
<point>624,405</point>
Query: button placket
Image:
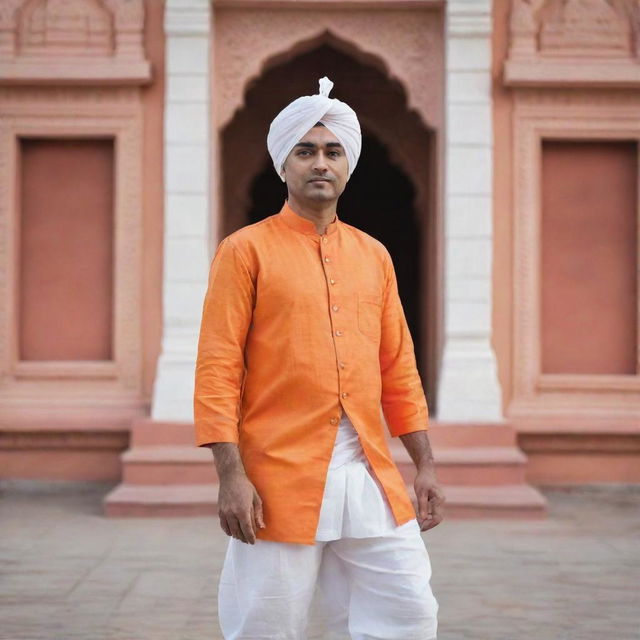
<point>337,333</point>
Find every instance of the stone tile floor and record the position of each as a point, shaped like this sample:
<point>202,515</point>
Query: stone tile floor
<point>68,573</point>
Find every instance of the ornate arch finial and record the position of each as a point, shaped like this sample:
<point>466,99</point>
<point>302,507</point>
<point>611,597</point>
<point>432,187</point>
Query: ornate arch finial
<point>247,51</point>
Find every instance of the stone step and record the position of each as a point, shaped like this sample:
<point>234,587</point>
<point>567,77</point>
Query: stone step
<point>469,466</point>
<point>134,501</point>
<point>146,431</point>
<point>167,465</point>
<point>507,501</point>
<point>480,466</point>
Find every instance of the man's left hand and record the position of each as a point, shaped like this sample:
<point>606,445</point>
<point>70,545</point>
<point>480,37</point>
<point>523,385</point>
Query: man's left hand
<point>430,498</point>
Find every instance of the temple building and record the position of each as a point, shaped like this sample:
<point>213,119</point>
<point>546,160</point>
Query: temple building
<point>499,166</point>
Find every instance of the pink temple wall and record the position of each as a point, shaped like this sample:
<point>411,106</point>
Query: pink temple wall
<point>66,249</point>
<point>152,195</point>
<point>502,203</point>
<point>589,241</point>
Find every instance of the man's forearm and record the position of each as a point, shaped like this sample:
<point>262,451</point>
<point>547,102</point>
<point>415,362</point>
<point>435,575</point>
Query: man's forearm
<point>227,459</point>
<point>419,448</point>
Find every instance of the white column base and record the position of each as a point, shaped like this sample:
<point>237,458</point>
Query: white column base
<point>174,382</point>
<point>469,389</point>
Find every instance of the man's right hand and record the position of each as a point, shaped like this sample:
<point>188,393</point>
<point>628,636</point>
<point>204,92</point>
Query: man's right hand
<point>239,507</point>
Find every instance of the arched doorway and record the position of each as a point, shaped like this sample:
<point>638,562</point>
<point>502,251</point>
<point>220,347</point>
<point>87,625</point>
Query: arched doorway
<point>391,194</point>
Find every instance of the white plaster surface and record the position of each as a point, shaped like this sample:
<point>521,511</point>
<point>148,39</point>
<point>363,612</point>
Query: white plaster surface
<point>187,200</point>
<point>468,388</point>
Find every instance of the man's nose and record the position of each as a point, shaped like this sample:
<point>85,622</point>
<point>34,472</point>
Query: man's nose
<point>320,161</point>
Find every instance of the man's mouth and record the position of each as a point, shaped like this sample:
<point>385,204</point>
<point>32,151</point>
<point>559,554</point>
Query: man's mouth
<point>319,180</point>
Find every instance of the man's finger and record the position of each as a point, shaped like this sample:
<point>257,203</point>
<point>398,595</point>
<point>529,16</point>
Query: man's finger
<point>247,528</point>
<point>438,496</point>
<point>423,504</point>
<point>436,514</point>
<point>429,524</point>
<point>234,525</point>
<point>437,505</point>
<point>255,520</point>
<point>224,524</point>
<point>257,508</point>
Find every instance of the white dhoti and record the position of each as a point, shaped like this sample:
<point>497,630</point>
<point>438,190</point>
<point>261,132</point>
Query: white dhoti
<point>373,577</point>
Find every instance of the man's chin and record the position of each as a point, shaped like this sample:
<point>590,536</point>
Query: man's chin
<point>323,197</point>
<point>322,193</point>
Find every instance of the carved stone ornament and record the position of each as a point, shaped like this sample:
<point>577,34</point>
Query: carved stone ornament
<point>407,41</point>
<point>574,43</point>
<point>72,41</point>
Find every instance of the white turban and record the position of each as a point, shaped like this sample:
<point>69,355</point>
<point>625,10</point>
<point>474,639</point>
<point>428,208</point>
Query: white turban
<point>293,122</point>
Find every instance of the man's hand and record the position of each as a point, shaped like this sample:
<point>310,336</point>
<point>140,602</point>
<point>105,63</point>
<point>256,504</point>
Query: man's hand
<point>430,495</point>
<point>430,498</point>
<point>239,505</point>
<point>239,508</point>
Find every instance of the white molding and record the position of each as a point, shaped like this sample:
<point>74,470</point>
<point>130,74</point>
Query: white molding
<point>468,388</point>
<point>188,32</point>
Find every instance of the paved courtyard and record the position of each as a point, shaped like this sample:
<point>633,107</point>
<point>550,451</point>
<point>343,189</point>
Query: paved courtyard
<point>67,573</point>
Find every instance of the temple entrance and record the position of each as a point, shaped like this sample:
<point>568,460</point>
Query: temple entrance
<point>391,194</point>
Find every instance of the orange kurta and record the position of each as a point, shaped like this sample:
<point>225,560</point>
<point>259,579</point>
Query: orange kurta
<point>296,325</point>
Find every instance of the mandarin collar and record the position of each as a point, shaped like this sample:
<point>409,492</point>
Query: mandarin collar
<point>303,225</point>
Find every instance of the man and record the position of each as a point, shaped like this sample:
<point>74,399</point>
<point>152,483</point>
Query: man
<point>303,343</point>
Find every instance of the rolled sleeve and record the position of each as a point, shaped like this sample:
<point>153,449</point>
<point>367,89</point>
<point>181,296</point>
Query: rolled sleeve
<point>220,363</point>
<point>403,400</point>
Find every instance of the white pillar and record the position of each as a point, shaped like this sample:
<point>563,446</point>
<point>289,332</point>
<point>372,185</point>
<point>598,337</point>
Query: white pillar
<point>469,389</point>
<point>186,206</point>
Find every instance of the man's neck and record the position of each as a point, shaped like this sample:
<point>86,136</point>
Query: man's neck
<point>321,215</point>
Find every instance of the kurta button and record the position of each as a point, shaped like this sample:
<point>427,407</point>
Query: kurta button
<point>332,281</point>
<point>334,420</point>
<point>327,259</point>
<point>342,365</point>
<point>344,394</point>
<point>324,239</point>
<point>335,307</point>
<point>338,332</point>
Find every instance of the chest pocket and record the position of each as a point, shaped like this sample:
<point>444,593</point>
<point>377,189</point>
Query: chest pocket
<point>370,315</point>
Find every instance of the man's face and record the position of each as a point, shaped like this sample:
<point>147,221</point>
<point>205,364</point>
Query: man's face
<point>316,169</point>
